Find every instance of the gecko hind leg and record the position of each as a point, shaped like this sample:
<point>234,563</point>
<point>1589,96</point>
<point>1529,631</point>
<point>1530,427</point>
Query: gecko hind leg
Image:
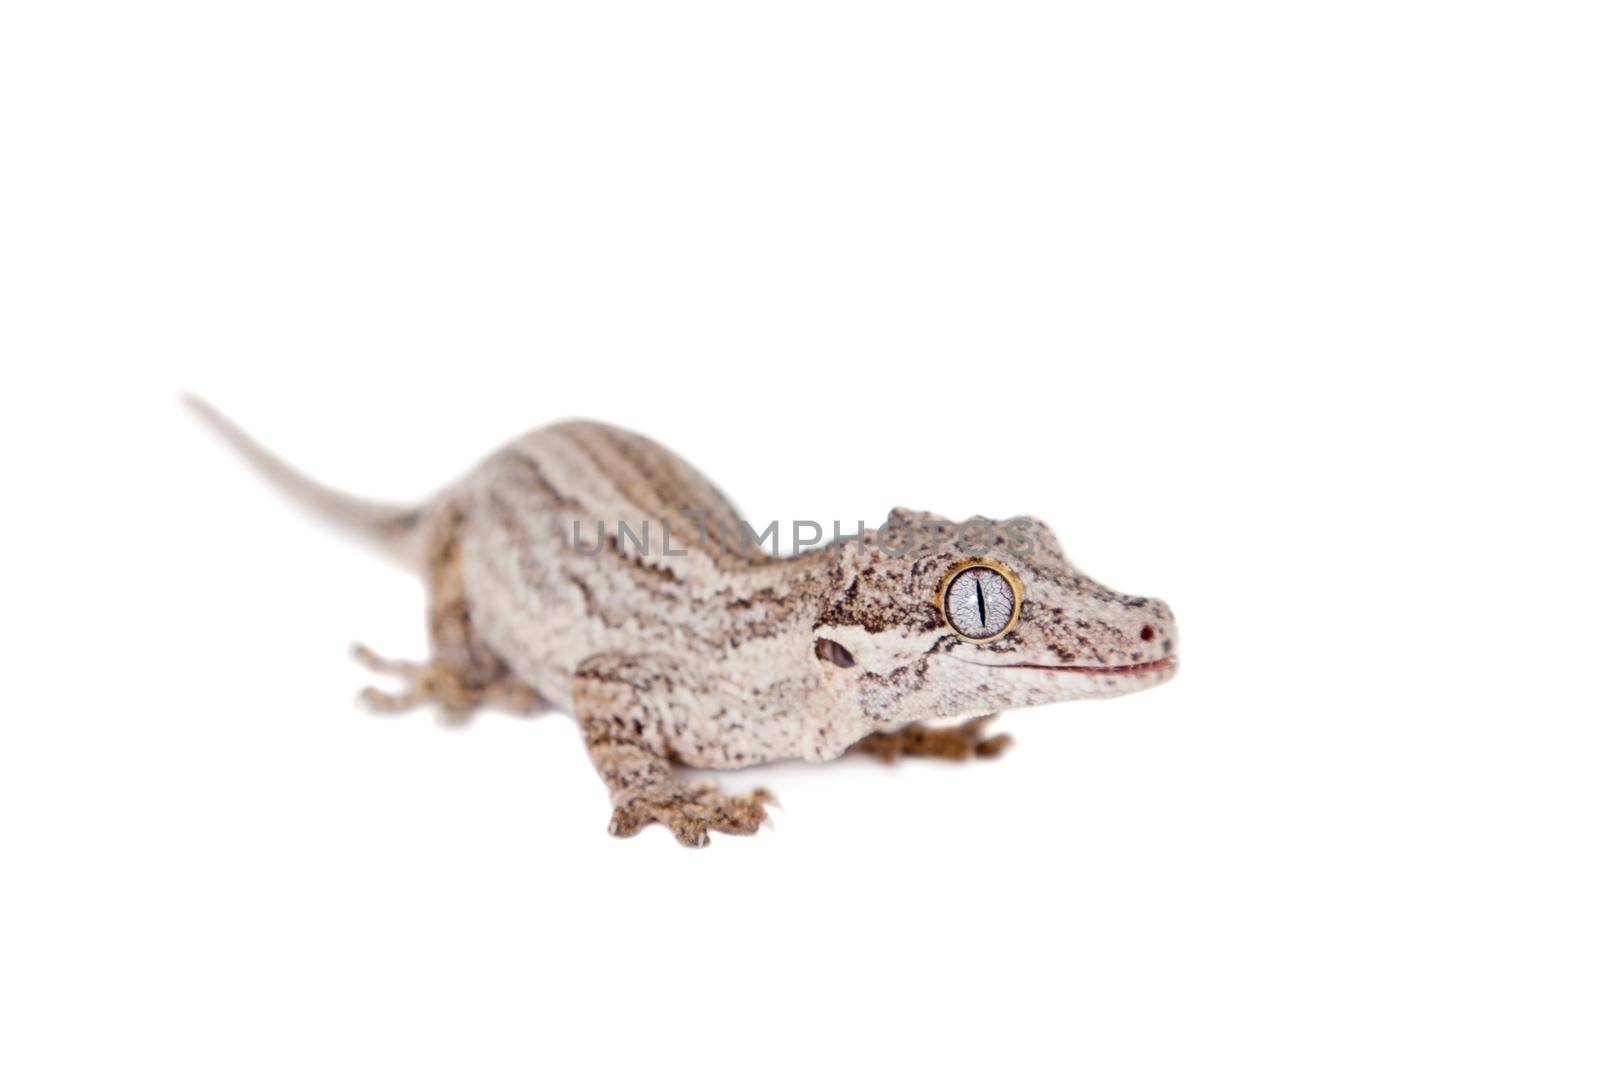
<point>464,673</point>
<point>962,742</point>
<point>458,692</point>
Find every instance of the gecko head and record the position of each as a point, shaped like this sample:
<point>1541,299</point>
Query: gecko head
<point>933,618</point>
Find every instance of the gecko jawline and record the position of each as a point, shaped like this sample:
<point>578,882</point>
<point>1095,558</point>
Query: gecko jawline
<point>1165,663</point>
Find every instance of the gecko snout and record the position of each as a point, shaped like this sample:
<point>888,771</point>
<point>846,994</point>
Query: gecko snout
<point>1158,632</point>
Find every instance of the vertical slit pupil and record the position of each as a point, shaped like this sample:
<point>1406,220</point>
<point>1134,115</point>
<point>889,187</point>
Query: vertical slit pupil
<point>983,610</point>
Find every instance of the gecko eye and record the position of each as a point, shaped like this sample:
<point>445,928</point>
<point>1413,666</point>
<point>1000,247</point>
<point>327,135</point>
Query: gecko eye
<point>980,600</point>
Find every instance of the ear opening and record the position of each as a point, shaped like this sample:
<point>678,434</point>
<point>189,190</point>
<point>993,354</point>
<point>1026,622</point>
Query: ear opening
<point>835,653</point>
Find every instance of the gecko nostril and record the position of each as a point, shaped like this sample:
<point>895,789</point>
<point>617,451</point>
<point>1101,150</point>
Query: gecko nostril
<point>1147,634</point>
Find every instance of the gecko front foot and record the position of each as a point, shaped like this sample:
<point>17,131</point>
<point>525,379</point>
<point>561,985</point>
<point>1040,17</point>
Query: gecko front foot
<point>442,683</point>
<point>691,813</point>
<point>951,742</point>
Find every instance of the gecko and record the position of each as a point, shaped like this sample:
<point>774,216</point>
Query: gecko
<point>587,568</point>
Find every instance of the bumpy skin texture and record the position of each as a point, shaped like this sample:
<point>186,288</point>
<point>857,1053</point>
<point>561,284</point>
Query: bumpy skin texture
<point>702,650</point>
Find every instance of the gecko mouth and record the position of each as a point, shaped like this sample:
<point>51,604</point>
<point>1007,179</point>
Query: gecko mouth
<point>1164,663</point>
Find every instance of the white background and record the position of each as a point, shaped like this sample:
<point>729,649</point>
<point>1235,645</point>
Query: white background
<point>1282,312</point>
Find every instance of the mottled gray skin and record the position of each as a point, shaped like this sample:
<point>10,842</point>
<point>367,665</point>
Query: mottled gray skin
<point>690,652</point>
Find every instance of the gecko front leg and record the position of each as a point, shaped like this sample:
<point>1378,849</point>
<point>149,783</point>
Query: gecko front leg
<point>634,712</point>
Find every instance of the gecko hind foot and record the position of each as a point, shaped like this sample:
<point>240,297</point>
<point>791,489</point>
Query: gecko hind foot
<point>442,683</point>
<point>692,813</point>
<point>950,743</point>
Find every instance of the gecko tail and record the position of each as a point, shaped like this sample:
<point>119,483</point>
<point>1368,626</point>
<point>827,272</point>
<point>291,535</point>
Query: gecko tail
<point>395,528</point>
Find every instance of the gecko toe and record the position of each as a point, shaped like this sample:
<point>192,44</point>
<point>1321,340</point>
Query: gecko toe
<point>692,834</point>
<point>992,747</point>
<point>692,813</point>
<point>628,819</point>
